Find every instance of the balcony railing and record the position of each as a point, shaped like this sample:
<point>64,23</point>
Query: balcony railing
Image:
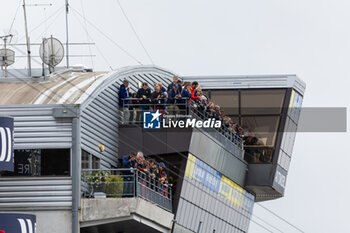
<point>123,183</point>
<point>224,130</point>
<point>135,109</point>
<point>181,106</point>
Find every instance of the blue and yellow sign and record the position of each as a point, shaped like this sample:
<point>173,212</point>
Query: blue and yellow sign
<point>213,180</point>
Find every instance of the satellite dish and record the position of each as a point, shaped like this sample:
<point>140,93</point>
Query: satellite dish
<point>51,52</point>
<point>7,57</point>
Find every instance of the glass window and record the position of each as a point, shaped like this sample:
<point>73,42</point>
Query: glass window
<point>262,101</point>
<point>89,161</point>
<point>95,162</point>
<point>260,130</point>
<point>84,160</point>
<point>227,100</point>
<point>255,154</point>
<point>234,119</point>
<point>206,93</point>
<point>41,162</point>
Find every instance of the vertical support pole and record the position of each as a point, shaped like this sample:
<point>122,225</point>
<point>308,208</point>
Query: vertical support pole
<point>76,173</point>
<point>67,38</point>
<point>27,38</point>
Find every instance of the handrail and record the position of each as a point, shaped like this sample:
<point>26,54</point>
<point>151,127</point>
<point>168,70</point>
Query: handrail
<point>187,107</point>
<point>224,130</point>
<point>126,182</point>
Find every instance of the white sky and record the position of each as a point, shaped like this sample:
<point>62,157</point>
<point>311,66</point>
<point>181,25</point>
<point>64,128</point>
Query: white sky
<point>191,37</point>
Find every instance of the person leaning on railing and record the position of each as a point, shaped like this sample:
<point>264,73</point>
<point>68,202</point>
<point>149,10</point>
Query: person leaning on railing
<point>158,98</point>
<point>144,95</point>
<point>129,162</point>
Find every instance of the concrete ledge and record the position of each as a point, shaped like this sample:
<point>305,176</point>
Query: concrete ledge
<point>110,210</point>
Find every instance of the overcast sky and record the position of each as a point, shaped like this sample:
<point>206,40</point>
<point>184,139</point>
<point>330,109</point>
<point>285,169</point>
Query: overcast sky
<point>308,38</point>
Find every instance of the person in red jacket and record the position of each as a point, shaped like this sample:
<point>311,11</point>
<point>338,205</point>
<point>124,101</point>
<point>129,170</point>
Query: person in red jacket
<point>193,91</point>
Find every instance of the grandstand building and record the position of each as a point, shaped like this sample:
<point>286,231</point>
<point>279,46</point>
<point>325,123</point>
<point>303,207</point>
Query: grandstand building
<point>70,139</point>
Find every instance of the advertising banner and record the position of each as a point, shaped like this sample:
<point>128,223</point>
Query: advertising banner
<point>6,144</point>
<point>17,223</point>
<point>225,188</point>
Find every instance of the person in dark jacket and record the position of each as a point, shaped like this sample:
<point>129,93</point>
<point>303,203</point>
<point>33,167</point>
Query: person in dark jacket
<point>123,102</point>
<point>162,89</point>
<point>129,161</point>
<point>174,96</point>
<point>175,81</point>
<point>185,98</point>
<point>158,98</point>
<point>144,95</point>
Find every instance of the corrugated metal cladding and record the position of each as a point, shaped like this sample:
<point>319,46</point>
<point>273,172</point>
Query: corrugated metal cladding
<point>199,205</point>
<point>99,115</point>
<point>228,156</point>
<point>35,193</point>
<point>250,81</point>
<point>36,128</point>
<point>211,201</point>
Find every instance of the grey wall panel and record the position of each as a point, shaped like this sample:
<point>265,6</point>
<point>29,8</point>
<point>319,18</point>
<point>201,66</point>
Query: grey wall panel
<point>36,128</point>
<point>99,113</point>
<point>199,204</point>
<point>219,156</point>
<point>39,192</point>
<point>99,126</point>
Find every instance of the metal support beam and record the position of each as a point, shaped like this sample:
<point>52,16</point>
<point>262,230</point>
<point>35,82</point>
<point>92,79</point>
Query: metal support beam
<point>76,173</point>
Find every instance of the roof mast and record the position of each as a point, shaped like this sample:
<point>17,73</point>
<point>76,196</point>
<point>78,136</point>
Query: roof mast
<point>67,38</point>
<point>27,39</point>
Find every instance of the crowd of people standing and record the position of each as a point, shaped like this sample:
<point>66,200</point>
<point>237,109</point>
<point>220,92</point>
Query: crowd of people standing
<point>171,100</point>
<point>151,170</point>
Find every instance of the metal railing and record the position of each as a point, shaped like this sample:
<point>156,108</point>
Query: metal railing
<point>132,110</point>
<point>224,130</point>
<point>182,106</point>
<point>124,182</point>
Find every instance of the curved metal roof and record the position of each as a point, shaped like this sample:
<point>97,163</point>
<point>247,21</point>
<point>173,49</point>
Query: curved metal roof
<point>74,87</point>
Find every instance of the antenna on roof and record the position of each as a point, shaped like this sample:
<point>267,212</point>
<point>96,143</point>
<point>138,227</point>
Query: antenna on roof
<point>27,39</point>
<point>67,38</point>
<point>51,52</point>
<point>7,56</point>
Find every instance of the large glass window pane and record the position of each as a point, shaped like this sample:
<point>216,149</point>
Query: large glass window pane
<point>262,101</point>
<point>260,130</point>
<point>41,162</point>
<point>227,100</point>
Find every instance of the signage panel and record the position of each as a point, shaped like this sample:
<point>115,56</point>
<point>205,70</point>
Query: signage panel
<point>225,188</point>
<point>6,144</point>
<point>17,223</point>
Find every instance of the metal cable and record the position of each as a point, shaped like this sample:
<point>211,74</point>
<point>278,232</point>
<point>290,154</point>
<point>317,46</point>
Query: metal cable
<point>14,18</point>
<point>134,30</point>
<point>281,218</point>
<point>109,38</point>
<point>97,48</point>
<point>87,34</point>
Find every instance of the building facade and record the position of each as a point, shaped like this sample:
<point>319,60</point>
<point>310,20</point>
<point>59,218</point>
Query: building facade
<point>71,122</point>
